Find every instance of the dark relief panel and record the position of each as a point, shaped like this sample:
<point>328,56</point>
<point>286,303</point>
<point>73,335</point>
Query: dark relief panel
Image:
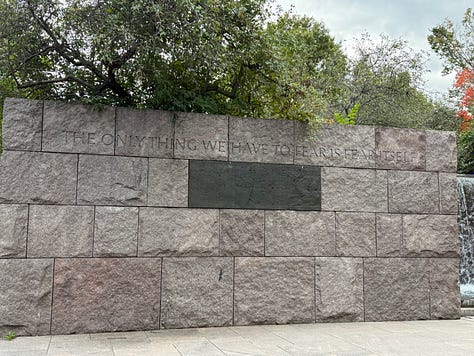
<point>216,184</point>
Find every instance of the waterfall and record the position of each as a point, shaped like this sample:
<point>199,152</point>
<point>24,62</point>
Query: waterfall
<point>466,234</point>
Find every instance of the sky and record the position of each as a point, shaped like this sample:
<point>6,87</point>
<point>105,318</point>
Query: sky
<point>410,20</point>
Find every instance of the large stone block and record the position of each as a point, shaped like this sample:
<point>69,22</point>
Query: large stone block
<point>147,133</point>
<point>199,136</point>
<point>441,151</point>
<point>389,235</point>
<point>336,145</point>
<point>178,232</point>
<point>25,296</point>
<point>168,183</point>
<point>413,192</point>
<point>252,140</point>
<point>244,185</point>
<point>13,230</point>
<point>36,177</point>
<point>78,128</point>
<point>339,289</point>
<point>197,292</point>
<point>448,198</point>
<point>403,149</point>
<point>345,189</point>
<point>396,289</point>
<point>22,121</point>
<point>112,294</point>
<point>355,234</point>
<point>60,231</point>
<point>273,290</point>
<point>107,180</point>
<point>242,232</point>
<point>116,231</point>
<point>430,235</point>
<point>299,233</point>
<point>444,293</point>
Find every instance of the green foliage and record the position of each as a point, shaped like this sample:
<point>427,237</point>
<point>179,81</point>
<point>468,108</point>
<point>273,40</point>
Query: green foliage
<point>349,118</point>
<point>466,152</point>
<point>10,336</point>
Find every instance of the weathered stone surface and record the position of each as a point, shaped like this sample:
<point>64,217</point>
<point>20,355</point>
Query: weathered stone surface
<point>168,183</point>
<point>116,231</point>
<point>299,233</point>
<point>444,293</point>
<point>22,120</point>
<point>430,235</point>
<point>389,235</point>
<point>336,145</point>
<point>273,290</point>
<point>78,128</point>
<point>25,296</point>
<point>339,289</point>
<point>345,189</point>
<point>403,149</point>
<point>413,192</point>
<point>13,229</point>
<point>244,185</point>
<point>106,180</point>
<point>448,198</point>
<point>199,136</point>
<point>36,177</point>
<point>396,289</point>
<point>441,152</point>
<point>60,231</point>
<point>241,232</point>
<point>178,232</point>
<point>270,141</point>
<point>147,133</point>
<point>355,234</point>
<point>197,292</point>
<point>112,294</point>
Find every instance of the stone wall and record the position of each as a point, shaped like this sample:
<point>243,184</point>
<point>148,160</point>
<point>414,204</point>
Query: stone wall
<point>119,219</point>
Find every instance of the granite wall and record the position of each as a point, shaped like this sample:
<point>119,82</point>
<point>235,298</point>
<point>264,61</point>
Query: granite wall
<point>119,219</point>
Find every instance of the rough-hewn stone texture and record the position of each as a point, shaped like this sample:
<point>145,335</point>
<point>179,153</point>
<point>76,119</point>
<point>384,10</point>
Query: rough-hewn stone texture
<point>345,189</point>
<point>22,124</point>
<point>244,185</point>
<point>78,128</point>
<point>197,292</point>
<point>273,290</point>
<point>37,178</point>
<point>444,283</point>
<point>60,231</point>
<point>441,152</point>
<point>413,192</point>
<point>113,294</point>
<point>355,234</point>
<point>168,183</point>
<point>147,133</point>
<point>396,289</point>
<point>270,141</point>
<point>339,289</point>
<point>13,230</point>
<point>116,232</point>
<point>106,180</point>
<point>178,232</point>
<point>336,145</point>
<point>389,235</point>
<point>25,297</point>
<point>299,233</point>
<point>199,136</point>
<point>430,235</point>
<point>403,149</point>
<point>448,198</point>
<point>241,232</point>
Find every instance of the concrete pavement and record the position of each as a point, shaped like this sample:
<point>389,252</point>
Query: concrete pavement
<point>431,337</point>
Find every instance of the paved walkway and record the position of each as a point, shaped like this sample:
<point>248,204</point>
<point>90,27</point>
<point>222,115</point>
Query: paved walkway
<point>451,337</point>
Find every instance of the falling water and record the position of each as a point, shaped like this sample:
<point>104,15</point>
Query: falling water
<point>466,234</point>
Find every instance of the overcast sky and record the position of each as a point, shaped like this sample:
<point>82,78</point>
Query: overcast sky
<point>408,19</point>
